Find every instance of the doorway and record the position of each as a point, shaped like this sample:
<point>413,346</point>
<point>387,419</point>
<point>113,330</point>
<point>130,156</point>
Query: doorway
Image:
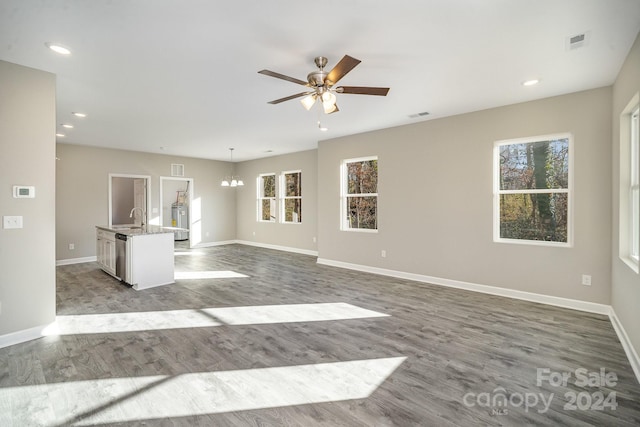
<point>176,206</point>
<point>128,199</point>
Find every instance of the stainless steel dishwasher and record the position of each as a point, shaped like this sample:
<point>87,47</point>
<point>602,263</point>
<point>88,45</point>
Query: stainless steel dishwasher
<point>121,256</point>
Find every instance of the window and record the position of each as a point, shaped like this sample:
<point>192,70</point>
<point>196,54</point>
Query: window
<point>291,197</point>
<point>629,212</point>
<point>359,179</point>
<point>634,186</point>
<point>532,190</point>
<point>267,197</point>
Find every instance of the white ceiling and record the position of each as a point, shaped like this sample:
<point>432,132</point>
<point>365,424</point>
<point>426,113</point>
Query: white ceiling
<point>182,74</point>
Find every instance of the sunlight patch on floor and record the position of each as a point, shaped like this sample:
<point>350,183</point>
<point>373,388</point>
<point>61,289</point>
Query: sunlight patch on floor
<point>190,253</point>
<point>125,400</point>
<point>205,317</point>
<point>222,274</point>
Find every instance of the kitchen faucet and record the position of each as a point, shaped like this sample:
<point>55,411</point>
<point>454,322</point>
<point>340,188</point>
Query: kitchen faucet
<point>141,212</point>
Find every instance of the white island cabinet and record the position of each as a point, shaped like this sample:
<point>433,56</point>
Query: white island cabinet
<point>140,256</point>
<point>150,261</point>
<point>106,250</point>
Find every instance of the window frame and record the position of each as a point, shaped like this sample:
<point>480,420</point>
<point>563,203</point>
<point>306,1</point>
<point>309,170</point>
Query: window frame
<point>283,196</point>
<point>629,185</point>
<point>344,217</point>
<point>497,192</point>
<point>261,197</point>
<point>634,184</point>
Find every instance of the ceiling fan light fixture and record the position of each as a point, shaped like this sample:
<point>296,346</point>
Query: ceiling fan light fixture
<point>328,102</point>
<point>329,107</point>
<point>328,97</point>
<point>308,101</point>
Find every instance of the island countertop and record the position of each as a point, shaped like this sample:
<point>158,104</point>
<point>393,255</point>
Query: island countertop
<point>136,230</point>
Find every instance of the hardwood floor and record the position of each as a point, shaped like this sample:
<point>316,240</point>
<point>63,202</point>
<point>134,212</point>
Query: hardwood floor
<point>379,351</point>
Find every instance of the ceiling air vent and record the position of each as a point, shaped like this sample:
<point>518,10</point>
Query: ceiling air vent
<point>177,169</point>
<point>415,116</point>
<point>577,41</point>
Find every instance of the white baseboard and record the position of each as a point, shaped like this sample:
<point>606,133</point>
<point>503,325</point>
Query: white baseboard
<point>630,351</point>
<point>70,261</point>
<point>278,248</point>
<point>590,307</point>
<point>22,336</point>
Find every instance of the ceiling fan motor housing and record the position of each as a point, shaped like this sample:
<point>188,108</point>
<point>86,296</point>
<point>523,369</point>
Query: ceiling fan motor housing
<point>316,78</point>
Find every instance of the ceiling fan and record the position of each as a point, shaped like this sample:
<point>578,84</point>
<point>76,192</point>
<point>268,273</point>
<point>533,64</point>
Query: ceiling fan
<point>321,84</point>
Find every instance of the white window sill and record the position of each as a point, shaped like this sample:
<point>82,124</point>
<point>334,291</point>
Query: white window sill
<point>534,243</point>
<point>360,230</point>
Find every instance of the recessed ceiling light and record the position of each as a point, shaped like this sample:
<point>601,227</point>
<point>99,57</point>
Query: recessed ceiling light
<point>531,82</point>
<point>83,115</point>
<point>60,135</point>
<point>58,48</point>
<point>66,125</point>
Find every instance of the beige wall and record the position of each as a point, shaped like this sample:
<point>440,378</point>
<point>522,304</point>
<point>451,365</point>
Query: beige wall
<point>625,292</point>
<point>82,194</point>
<point>27,157</point>
<point>435,199</point>
<point>122,200</point>
<point>298,236</point>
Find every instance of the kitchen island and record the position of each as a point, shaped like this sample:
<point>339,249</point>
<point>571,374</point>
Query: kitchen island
<point>141,256</point>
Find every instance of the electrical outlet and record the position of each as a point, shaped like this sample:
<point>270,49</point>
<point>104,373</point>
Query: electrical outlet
<point>315,240</point>
<point>586,280</point>
<point>11,222</point>
<point>254,233</point>
<point>383,253</point>
<point>72,246</point>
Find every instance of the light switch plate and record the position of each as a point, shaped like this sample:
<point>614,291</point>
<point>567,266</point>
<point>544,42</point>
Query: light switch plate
<point>11,222</point>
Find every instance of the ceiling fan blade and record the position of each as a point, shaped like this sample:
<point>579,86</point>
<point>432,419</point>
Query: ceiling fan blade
<point>363,90</point>
<point>346,64</point>
<point>287,98</point>
<point>283,77</point>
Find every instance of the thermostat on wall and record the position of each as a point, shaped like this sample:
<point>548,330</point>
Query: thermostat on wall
<point>24,192</point>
